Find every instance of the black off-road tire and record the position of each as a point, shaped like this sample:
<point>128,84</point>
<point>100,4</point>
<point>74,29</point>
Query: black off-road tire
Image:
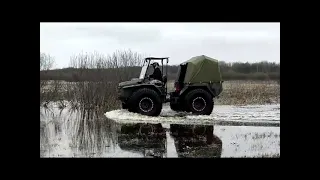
<point>131,109</point>
<point>146,95</point>
<point>200,102</point>
<point>124,106</point>
<point>127,106</point>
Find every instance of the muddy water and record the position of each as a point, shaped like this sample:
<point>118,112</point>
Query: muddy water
<point>76,133</point>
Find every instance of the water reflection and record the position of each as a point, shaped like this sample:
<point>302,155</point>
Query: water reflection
<point>75,133</point>
<point>88,133</point>
<point>196,141</point>
<point>146,139</point>
<point>150,140</point>
<point>93,133</point>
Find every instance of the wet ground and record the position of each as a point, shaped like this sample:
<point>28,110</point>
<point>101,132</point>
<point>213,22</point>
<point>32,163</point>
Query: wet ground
<point>230,131</point>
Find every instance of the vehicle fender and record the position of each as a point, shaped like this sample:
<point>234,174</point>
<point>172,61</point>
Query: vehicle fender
<point>189,88</point>
<point>133,88</point>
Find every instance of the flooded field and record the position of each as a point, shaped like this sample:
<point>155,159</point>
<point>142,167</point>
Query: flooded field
<point>230,131</point>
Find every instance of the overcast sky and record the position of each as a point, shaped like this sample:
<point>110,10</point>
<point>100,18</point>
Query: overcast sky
<point>228,42</point>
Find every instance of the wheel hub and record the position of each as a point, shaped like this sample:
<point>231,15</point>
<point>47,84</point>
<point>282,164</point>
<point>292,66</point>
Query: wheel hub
<point>199,104</point>
<point>146,104</point>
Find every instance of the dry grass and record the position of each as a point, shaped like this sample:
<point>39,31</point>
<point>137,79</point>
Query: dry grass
<point>249,92</point>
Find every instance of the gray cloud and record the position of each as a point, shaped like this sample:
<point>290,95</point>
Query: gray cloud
<point>180,41</point>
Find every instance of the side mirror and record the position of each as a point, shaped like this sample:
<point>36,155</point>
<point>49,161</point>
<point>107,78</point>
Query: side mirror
<point>164,79</point>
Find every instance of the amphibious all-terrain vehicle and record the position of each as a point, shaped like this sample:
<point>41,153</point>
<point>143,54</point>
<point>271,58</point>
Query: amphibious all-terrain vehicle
<point>197,83</point>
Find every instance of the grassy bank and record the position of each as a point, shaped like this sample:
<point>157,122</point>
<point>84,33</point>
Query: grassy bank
<point>103,96</point>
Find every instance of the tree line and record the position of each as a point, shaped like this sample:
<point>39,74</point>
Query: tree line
<point>107,66</point>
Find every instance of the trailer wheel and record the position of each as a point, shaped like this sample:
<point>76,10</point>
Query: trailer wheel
<point>200,102</point>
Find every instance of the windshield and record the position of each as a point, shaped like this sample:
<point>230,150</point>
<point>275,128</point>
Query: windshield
<point>143,71</point>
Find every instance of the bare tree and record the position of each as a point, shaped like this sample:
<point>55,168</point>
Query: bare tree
<point>99,75</point>
<point>46,61</point>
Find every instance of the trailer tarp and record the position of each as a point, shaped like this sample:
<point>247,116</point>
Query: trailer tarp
<point>202,69</point>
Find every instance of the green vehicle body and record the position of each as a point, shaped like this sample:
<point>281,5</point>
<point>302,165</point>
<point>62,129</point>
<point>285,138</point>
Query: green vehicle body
<point>200,73</point>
